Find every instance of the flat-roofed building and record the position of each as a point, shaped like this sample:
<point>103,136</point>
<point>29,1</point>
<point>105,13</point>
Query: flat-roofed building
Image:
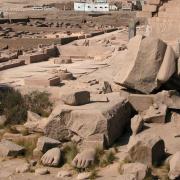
<point>92,6</point>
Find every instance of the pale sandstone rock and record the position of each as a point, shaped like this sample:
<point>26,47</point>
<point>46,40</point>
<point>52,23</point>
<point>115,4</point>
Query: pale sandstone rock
<point>146,149</point>
<point>3,120</point>
<point>84,175</point>
<point>64,174</point>
<point>149,8</point>
<point>168,67</point>
<point>137,169</point>
<point>155,114</point>
<point>35,123</point>
<point>41,171</point>
<point>137,124</point>
<point>141,102</point>
<point>174,163</point>
<point>154,2</point>
<point>148,53</point>
<point>23,168</point>
<point>170,98</point>
<point>8,148</point>
<point>76,98</point>
<point>46,143</point>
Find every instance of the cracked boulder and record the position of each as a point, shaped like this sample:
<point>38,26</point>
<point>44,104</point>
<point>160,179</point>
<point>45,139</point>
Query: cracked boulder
<point>96,119</point>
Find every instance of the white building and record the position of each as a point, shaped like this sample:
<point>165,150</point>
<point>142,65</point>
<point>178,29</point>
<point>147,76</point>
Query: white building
<point>92,6</point>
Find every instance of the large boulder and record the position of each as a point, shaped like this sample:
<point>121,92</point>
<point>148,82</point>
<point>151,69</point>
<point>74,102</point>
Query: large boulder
<point>146,149</point>
<point>174,163</point>
<point>146,58</point>
<point>96,118</point>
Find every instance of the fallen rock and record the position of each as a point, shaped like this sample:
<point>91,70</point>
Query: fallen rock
<point>147,53</point>
<point>137,169</point>
<point>146,149</point>
<point>76,98</point>
<point>63,174</point>
<point>8,148</point>
<point>23,168</point>
<point>42,171</point>
<point>3,120</point>
<point>46,143</point>
<point>168,67</point>
<point>137,124</point>
<point>155,114</point>
<point>170,98</point>
<point>84,175</point>
<point>174,163</point>
<point>140,102</point>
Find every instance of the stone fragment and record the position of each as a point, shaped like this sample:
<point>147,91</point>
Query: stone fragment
<point>155,114</point>
<point>137,169</point>
<point>140,102</point>
<point>168,67</point>
<point>149,8</point>
<point>174,163</point>
<point>23,168</point>
<point>46,143</point>
<point>137,124</point>
<point>42,171</point>
<point>146,149</point>
<point>170,98</point>
<point>76,98</point>
<point>32,162</point>
<point>8,148</point>
<point>154,2</point>
<point>148,52</point>
<point>64,174</point>
<point>3,120</point>
<point>84,175</point>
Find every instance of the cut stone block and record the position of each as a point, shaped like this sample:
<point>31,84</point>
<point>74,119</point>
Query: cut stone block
<point>76,98</point>
<point>42,81</point>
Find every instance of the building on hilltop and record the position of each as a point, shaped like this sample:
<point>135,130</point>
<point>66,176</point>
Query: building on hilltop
<point>91,5</point>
